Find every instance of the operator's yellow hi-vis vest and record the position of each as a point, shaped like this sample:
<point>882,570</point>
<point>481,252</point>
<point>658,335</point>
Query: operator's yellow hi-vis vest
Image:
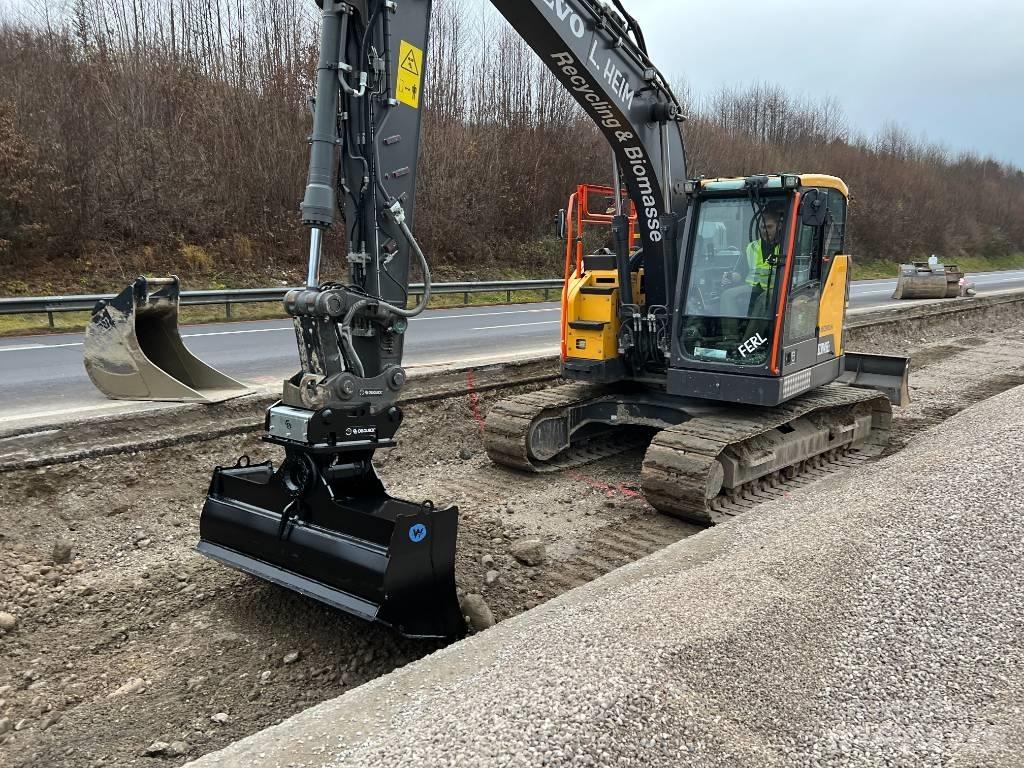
<point>759,271</point>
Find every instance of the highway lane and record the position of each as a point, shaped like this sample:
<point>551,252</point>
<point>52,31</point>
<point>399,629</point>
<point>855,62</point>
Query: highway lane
<point>43,375</point>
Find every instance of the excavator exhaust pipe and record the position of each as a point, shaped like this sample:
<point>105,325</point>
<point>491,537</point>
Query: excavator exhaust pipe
<point>921,280</point>
<point>133,350</point>
<point>329,531</point>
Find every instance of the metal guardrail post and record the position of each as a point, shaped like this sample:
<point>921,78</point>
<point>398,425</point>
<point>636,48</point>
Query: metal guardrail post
<point>49,316</point>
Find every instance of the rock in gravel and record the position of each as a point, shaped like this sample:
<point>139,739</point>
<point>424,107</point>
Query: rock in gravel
<point>490,577</point>
<point>291,658</point>
<point>63,552</point>
<point>176,749</point>
<point>8,621</point>
<point>135,685</point>
<point>465,454</point>
<point>194,683</point>
<point>265,676</point>
<point>475,608</point>
<point>528,551</point>
<point>49,720</point>
<point>487,561</point>
<point>221,718</point>
<point>5,725</point>
<point>156,749</point>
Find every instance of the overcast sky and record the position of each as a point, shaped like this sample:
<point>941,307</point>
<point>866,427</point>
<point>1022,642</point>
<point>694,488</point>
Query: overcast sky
<point>952,72</point>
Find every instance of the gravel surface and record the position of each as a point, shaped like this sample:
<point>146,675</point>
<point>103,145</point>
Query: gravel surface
<point>875,618</point>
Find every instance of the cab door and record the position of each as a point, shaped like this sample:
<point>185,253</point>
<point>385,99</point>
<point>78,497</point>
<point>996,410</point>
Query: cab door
<point>800,322</point>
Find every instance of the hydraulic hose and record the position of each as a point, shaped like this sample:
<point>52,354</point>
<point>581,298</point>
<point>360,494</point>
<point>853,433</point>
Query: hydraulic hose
<point>424,299</point>
<point>398,214</point>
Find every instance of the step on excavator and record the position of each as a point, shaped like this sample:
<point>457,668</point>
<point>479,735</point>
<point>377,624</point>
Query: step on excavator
<point>711,328</point>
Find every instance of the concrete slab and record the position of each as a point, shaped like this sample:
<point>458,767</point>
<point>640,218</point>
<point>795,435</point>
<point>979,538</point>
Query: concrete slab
<point>876,618</point>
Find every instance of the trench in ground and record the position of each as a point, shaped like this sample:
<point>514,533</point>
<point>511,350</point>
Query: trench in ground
<point>193,639</point>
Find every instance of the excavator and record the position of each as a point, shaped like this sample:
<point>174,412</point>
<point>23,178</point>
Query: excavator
<point>710,330</point>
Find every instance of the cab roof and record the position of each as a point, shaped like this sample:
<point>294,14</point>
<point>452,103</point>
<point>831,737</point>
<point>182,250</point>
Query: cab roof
<point>775,181</point>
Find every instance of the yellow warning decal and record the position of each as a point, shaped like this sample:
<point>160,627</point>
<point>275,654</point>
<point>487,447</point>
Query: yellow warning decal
<point>410,74</point>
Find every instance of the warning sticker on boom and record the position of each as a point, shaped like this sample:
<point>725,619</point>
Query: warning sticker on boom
<point>410,74</point>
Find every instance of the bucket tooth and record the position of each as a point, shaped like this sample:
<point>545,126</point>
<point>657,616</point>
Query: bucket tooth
<point>346,543</point>
<point>133,350</point>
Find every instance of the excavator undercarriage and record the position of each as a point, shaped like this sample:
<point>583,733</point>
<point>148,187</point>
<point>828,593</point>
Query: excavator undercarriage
<point>703,461</point>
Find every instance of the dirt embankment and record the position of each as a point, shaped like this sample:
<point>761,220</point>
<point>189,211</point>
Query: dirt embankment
<point>138,640</point>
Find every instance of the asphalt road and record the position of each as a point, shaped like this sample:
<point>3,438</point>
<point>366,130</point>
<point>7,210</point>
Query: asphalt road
<point>42,376</point>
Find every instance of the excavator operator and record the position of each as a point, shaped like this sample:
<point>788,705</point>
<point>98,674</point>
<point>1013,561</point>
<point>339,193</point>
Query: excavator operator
<point>744,288</point>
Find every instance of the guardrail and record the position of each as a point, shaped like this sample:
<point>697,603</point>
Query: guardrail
<point>51,304</point>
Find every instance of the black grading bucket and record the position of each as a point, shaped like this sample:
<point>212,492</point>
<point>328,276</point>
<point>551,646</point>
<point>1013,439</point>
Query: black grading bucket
<point>331,532</point>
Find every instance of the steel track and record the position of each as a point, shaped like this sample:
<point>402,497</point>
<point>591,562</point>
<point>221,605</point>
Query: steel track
<point>681,470</point>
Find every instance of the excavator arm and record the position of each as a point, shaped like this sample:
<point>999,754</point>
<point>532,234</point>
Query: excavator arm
<point>369,103</point>
<point>597,53</point>
<point>321,523</point>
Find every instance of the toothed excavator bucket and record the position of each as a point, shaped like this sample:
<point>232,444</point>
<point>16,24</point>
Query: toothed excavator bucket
<point>133,350</point>
<point>329,531</point>
<point>921,280</point>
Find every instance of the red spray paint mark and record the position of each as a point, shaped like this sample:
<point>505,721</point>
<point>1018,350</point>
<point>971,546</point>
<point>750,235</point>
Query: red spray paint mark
<point>609,490</point>
<point>474,400</point>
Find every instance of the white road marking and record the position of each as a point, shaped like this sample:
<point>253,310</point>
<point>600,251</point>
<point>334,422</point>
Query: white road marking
<point>234,333</point>
<point>415,319</point>
<point>515,325</point>
<point>502,357</point>
<point>82,409</point>
<point>39,346</point>
<point>28,347</point>
<point>489,314</point>
<point>22,348</point>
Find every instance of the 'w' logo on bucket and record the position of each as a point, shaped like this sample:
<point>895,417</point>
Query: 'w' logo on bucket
<point>418,533</point>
